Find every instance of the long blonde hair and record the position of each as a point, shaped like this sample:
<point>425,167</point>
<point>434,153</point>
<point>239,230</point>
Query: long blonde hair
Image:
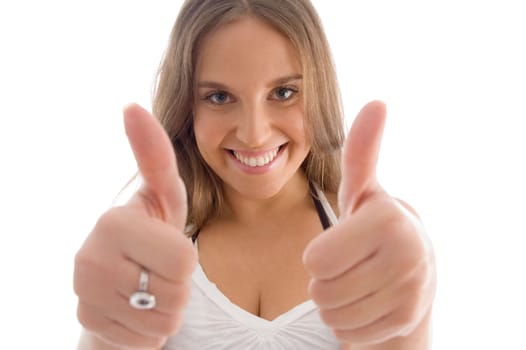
<point>174,93</point>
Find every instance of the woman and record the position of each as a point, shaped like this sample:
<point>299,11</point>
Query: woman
<point>247,99</point>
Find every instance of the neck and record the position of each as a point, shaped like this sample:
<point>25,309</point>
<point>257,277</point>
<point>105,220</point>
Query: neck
<point>250,210</point>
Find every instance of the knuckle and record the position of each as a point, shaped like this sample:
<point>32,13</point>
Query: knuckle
<point>90,272</point>
<point>407,315</point>
<point>177,297</point>
<point>87,319</point>
<point>161,325</point>
<point>185,259</point>
<point>156,342</point>
<point>343,335</point>
<point>336,318</point>
<point>91,261</point>
<point>327,316</point>
<point>184,293</point>
<point>320,294</point>
<point>414,286</point>
<point>159,342</point>
<point>399,225</point>
<point>164,327</point>
<point>393,219</point>
<point>86,267</point>
<point>107,223</point>
<point>171,324</point>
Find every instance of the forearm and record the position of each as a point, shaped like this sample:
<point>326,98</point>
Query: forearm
<point>420,339</point>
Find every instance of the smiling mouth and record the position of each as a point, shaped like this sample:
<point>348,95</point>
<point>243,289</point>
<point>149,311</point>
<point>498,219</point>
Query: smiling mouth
<point>261,159</point>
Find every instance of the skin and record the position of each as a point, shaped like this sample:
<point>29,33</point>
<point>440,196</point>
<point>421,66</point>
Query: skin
<point>145,232</point>
<point>244,104</point>
<point>248,100</point>
<point>372,275</point>
<point>377,287</point>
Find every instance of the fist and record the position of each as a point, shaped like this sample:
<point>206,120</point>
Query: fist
<point>145,234</point>
<point>373,273</point>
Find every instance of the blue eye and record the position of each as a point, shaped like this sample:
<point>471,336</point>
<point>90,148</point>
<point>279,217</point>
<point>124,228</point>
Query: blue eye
<point>218,98</point>
<point>284,93</point>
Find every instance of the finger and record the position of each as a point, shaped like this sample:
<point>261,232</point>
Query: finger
<point>163,188</point>
<point>103,282</point>
<point>153,244</point>
<point>151,323</point>
<point>342,247</point>
<point>360,157</point>
<point>377,332</point>
<point>113,332</point>
<point>367,310</point>
<point>365,279</point>
<point>170,297</point>
<point>111,298</point>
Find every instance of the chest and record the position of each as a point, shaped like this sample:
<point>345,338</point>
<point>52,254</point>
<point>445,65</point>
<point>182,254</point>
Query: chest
<point>261,269</point>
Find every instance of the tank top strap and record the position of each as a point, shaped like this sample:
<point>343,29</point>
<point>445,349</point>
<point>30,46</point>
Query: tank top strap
<point>324,218</point>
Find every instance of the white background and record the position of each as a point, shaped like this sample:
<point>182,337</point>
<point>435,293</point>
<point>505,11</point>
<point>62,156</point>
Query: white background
<point>452,74</point>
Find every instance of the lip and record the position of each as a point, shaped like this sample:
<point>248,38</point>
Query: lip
<point>258,170</point>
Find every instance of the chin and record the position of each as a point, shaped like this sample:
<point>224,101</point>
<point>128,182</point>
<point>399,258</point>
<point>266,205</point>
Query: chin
<point>257,191</point>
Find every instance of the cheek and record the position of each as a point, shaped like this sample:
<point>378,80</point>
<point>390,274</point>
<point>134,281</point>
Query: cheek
<point>210,131</point>
<point>296,126</point>
<point>206,129</point>
<point>200,129</point>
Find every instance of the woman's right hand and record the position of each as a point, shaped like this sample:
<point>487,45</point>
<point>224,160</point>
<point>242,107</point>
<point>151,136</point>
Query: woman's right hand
<point>146,233</point>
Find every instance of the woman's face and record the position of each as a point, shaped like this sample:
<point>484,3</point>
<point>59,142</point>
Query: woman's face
<point>248,112</point>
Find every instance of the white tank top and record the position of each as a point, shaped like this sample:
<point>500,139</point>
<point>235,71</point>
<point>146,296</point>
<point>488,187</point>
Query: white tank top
<point>212,321</point>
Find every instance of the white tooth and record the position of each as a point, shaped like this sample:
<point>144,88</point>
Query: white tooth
<point>257,161</point>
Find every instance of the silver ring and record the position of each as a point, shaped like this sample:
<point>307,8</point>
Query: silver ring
<point>141,299</point>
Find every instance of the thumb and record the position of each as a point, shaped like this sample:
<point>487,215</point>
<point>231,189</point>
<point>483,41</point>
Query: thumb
<point>163,194</point>
<point>360,156</point>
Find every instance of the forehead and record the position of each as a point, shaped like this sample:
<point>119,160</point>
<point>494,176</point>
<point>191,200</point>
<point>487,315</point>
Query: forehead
<point>246,49</point>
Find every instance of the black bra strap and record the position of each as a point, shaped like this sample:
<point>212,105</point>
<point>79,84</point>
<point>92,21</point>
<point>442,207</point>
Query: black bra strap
<point>319,208</point>
<point>194,236</point>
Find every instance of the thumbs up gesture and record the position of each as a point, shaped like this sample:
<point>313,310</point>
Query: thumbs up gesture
<point>373,273</point>
<point>146,234</point>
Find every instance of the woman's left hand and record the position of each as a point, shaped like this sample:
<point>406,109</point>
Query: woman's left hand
<point>373,273</point>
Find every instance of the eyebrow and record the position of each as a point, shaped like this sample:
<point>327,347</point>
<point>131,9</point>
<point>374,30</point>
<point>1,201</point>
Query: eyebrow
<point>278,81</point>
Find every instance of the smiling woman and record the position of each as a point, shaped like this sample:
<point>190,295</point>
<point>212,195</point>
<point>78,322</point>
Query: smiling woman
<point>244,65</point>
<point>247,101</point>
<point>252,62</point>
<point>452,73</point>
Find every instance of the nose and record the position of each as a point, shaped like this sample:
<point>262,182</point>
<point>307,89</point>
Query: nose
<point>254,126</point>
